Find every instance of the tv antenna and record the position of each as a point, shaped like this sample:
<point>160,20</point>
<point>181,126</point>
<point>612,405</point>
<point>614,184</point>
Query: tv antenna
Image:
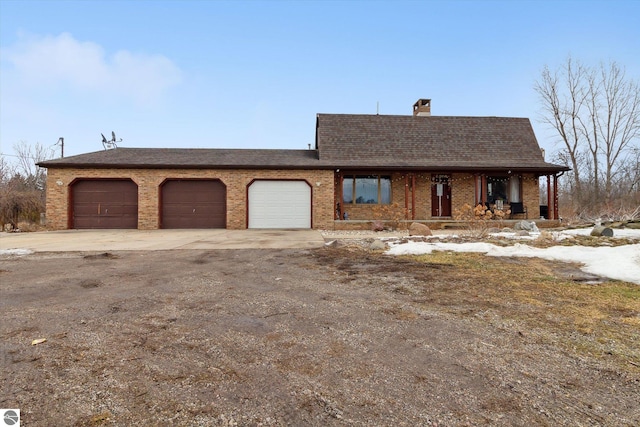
<point>109,144</point>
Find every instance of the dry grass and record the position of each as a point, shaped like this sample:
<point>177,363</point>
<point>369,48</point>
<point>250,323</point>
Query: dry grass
<point>600,320</point>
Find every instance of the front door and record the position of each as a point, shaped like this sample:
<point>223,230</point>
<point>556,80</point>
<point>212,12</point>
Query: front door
<point>440,195</point>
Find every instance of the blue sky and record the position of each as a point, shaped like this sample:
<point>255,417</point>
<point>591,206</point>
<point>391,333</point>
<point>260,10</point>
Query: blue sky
<point>254,74</point>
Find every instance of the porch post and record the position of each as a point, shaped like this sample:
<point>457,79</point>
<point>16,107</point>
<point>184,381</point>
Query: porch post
<point>549,205</point>
<point>483,191</point>
<point>413,196</point>
<point>406,196</point>
<point>555,197</point>
<point>340,195</point>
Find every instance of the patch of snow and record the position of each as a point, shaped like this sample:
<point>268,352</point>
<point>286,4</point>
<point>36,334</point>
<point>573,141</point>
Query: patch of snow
<point>619,262</point>
<point>514,236</point>
<point>626,233</point>
<point>18,252</point>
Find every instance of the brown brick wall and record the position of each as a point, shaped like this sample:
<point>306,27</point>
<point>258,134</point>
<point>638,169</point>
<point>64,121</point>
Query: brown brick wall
<point>531,195</point>
<point>149,181</point>
<point>324,195</point>
<point>462,191</point>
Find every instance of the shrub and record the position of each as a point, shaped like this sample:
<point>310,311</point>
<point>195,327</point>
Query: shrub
<point>391,215</point>
<point>479,219</point>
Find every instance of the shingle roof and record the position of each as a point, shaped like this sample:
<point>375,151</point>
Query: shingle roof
<point>434,142</point>
<point>190,158</point>
<point>359,142</point>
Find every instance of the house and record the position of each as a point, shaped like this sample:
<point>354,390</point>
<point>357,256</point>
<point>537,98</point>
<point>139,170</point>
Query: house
<point>418,167</point>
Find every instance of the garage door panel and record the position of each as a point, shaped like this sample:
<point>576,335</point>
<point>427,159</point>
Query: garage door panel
<point>110,222</point>
<point>194,204</point>
<point>117,210</point>
<point>187,197</point>
<point>279,204</point>
<point>199,208</point>
<point>105,204</point>
<point>190,221</point>
<point>104,209</point>
<point>85,209</point>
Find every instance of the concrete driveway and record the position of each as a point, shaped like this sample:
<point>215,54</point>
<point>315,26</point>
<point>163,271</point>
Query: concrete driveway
<point>152,240</point>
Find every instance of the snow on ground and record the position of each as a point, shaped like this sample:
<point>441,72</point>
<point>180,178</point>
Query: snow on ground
<point>617,232</point>
<point>17,252</point>
<point>619,262</point>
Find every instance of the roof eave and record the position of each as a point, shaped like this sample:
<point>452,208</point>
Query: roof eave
<point>176,166</point>
<point>439,168</point>
<point>453,168</point>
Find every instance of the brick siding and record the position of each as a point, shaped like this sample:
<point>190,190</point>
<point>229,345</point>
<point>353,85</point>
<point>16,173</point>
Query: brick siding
<point>59,181</point>
<point>324,184</point>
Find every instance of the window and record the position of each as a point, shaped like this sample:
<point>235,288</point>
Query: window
<point>366,189</point>
<point>514,189</point>
<point>496,188</point>
<point>500,188</point>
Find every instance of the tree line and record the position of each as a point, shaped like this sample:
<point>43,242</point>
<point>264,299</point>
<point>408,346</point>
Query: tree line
<point>23,184</point>
<point>595,113</point>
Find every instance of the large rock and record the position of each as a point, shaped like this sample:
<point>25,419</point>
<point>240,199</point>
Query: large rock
<point>526,226</point>
<point>417,229</point>
<point>377,226</point>
<point>377,245</point>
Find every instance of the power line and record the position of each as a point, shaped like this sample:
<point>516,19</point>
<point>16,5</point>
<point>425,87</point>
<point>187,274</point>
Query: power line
<point>23,157</point>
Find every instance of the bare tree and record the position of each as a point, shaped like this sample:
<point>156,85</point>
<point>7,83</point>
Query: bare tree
<point>619,127</point>
<point>563,97</point>
<point>7,170</point>
<point>28,157</point>
<point>22,184</point>
<point>626,186</point>
<point>596,113</point>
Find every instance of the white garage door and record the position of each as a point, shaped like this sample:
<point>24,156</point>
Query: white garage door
<point>279,204</point>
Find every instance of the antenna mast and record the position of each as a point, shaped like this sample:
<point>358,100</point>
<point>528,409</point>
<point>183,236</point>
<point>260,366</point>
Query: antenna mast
<point>61,142</point>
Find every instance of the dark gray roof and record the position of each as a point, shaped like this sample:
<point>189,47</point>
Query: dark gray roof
<point>190,158</point>
<point>434,142</point>
<point>360,142</point>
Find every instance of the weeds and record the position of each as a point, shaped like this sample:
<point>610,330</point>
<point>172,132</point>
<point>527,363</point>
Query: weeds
<point>592,319</point>
<point>388,217</point>
<point>480,219</point>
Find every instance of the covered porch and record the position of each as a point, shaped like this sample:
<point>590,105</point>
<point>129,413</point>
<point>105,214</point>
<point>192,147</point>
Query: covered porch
<point>440,198</point>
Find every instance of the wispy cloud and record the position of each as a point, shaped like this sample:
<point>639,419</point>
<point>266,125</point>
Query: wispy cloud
<point>63,63</point>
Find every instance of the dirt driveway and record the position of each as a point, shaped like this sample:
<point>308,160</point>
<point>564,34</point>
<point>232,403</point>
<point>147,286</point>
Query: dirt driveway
<point>328,336</point>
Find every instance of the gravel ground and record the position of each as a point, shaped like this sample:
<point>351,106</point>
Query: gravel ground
<point>334,336</point>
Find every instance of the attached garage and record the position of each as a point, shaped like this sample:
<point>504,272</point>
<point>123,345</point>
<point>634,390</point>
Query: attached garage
<point>104,203</point>
<point>193,203</point>
<point>279,204</point>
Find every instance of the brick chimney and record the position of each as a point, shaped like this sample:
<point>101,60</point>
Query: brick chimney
<point>422,108</point>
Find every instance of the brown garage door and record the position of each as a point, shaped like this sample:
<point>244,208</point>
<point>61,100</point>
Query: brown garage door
<point>194,204</point>
<point>105,204</point>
